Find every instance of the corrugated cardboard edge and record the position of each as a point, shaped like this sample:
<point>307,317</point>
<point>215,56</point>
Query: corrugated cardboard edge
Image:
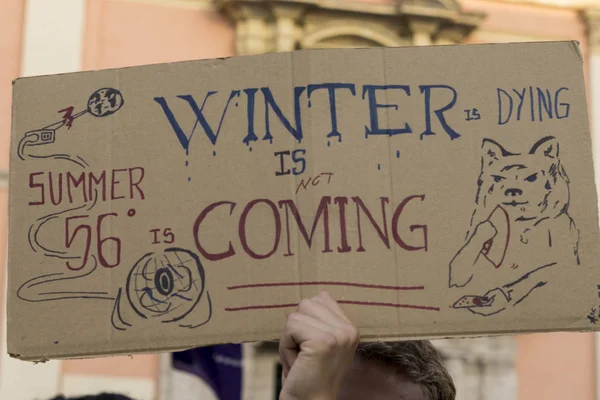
<point>144,350</point>
<point>13,133</point>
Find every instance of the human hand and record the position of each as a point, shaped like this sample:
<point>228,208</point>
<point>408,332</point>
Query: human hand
<point>498,300</point>
<point>317,345</point>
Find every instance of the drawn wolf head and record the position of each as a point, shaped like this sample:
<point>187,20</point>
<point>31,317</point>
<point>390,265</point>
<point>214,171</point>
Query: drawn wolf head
<point>529,186</point>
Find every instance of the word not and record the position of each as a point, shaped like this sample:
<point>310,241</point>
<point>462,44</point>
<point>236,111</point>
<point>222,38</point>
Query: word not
<point>77,188</point>
<point>74,225</point>
<point>372,94</point>
<point>314,180</point>
<point>295,158</point>
<point>167,236</point>
<point>322,214</point>
<point>541,103</point>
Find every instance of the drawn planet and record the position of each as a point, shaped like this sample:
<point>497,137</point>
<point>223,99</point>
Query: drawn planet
<point>166,285</point>
<point>104,102</point>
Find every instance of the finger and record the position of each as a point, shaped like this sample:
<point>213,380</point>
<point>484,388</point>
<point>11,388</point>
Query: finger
<point>318,310</point>
<point>288,348</point>
<point>299,329</point>
<point>329,302</point>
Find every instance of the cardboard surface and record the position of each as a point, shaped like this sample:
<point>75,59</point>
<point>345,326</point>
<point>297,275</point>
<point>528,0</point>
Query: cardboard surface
<point>433,191</point>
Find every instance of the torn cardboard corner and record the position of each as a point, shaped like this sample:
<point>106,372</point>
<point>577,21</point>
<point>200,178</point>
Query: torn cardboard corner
<point>434,192</point>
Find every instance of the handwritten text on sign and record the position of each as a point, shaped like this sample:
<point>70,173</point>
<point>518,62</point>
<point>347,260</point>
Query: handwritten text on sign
<point>515,104</point>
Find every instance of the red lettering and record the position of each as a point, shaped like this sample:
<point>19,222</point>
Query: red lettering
<point>169,236</point>
<point>76,182</point>
<point>212,256</point>
<point>114,183</point>
<point>342,201</point>
<point>33,185</point>
<point>136,184</point>
<point>100,180</point>
<point>382,234</point>
<point>155,231</point>
<point>303,185</point>
<point>51,189</point>
<point>242,228</point>
<point>322,210</point>
<point>70,238</point>
<point>397,238</point>
<point>101,242</point>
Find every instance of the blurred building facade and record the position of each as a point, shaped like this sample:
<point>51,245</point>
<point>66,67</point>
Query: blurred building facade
<point>56,36</point>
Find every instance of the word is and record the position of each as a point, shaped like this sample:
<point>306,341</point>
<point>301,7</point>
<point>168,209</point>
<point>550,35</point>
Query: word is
<point>296,156</point>
<point>166,236</point>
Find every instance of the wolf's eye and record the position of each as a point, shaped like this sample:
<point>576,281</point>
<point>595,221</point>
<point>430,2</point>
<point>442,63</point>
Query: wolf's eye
<point>498,178</point>
<point>531,178</point>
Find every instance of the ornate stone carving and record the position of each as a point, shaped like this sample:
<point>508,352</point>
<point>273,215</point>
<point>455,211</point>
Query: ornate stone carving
<point>276,25</point>
<point>592,21</point>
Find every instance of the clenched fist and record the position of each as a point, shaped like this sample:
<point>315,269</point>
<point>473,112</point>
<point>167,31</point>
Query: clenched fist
<point>317,345</point>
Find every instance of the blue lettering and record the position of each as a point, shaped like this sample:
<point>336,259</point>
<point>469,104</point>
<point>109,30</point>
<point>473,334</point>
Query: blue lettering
<point>510,108</point>
<point>198,111</point>
<point>531,99</point>
<point>521,96</point>
<point>547,104</point>
<point>271,103</point>
<point>331,87</point>
<point>251,136</point>
<point>566,106</point>
<point>439,112</point>
<point>373,106</point>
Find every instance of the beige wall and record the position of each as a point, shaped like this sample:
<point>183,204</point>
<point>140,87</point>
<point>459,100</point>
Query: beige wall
<point>120,33</point>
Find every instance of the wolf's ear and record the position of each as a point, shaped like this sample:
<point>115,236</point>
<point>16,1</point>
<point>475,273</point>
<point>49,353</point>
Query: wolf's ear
<point>492,151</point>
<point>547,146</point>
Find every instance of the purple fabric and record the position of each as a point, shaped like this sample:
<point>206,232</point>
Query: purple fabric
<point>219,366</point>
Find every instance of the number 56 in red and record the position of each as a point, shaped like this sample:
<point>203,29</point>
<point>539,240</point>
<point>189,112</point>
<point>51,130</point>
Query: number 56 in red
<point>71,233</point>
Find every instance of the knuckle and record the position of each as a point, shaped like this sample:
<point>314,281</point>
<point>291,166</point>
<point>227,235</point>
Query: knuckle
<point>330,341</point>
<point>304,304</point>
<point>350,335</point>
<point>293,317</point>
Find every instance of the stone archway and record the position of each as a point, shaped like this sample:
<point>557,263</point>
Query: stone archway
<point>264,26</point>
<point>349,35</point>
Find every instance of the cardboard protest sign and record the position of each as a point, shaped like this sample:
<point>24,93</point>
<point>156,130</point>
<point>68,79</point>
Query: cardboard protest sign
<point>440,191</point>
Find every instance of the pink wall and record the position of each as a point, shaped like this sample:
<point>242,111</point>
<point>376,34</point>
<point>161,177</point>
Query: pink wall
<point>120,34</point>
<point>11,38</point>
<point>556,366</point>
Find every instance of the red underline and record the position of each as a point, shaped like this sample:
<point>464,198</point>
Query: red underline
<point>360,303</point>
<point>350,284</point>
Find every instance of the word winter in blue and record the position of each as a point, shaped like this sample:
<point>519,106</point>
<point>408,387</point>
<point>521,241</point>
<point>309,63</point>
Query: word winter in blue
<point>373,96</point>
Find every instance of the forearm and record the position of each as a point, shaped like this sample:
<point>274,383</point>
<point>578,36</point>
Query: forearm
<point>521,288</point>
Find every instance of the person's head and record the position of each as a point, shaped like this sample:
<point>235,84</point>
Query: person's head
<point>410,370</point>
